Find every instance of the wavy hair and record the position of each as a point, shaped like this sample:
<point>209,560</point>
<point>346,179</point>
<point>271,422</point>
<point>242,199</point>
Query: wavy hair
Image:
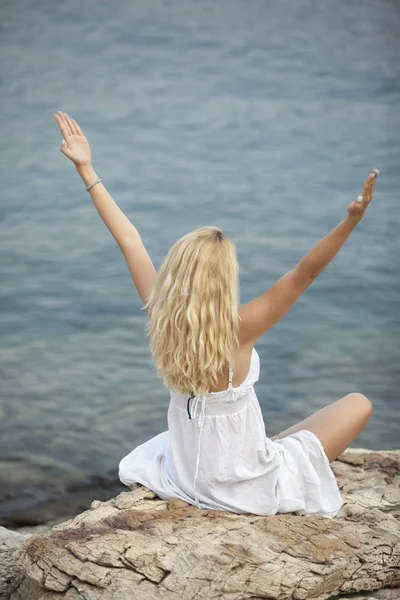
<point>193,307</point>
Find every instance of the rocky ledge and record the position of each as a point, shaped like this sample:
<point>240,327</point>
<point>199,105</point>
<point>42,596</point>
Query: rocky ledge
<point>139,547</point>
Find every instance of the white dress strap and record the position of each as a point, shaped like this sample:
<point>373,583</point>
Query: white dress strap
<point>230,376</point>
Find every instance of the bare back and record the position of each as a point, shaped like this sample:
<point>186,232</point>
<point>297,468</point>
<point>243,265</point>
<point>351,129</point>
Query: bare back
<point>241,367</point>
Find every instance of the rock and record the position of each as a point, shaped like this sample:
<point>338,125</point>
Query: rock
<point>10,553</point>
<point>139,547</point>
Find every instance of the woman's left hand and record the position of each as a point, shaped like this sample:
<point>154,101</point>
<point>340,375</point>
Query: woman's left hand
<point>75,146</point>
<point>357,208</point>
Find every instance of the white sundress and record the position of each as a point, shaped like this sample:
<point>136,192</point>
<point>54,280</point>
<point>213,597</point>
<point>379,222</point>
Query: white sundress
<point>216,455</point>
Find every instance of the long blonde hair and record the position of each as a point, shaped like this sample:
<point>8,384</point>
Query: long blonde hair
<point>193,309</point>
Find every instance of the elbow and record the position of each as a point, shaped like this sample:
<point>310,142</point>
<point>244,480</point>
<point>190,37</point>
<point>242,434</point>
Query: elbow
<point>305,274</point>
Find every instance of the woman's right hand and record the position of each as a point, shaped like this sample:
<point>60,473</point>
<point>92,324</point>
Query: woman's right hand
<point>356,209</point>
<point>75,145</point>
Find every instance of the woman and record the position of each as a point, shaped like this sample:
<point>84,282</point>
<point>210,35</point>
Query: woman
<point>216,453</point>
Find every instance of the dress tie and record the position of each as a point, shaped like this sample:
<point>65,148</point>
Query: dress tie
<point>195,404</point>
<point>200,421</point>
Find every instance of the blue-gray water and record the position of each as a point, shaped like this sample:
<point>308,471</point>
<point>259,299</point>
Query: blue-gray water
<point>261,118</point>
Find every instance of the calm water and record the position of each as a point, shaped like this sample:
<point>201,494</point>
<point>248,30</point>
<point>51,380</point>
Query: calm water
<point>261,118</point>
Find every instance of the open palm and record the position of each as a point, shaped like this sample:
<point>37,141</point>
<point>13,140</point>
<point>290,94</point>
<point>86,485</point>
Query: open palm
<point>357,208</point>
<point>75,147</point>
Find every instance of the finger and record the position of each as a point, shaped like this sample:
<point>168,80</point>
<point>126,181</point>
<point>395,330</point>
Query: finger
<point>68,122</point>
<point>376,173</point>
<point>371,191</point>
<point>64,149</point>
<point>368,186</point>
<point>373,177</point>
<point>79,130</point>
<point>71,124</point>
<point>65,123</point>
<point>366,191</point>
<point>63,129</point>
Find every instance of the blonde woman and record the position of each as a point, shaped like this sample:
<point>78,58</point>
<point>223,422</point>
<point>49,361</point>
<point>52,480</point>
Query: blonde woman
<point>216,454</point>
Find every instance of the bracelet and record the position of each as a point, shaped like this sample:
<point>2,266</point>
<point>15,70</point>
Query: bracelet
<point>92,184</point>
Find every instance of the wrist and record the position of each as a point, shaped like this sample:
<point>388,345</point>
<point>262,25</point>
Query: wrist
<point>84,168</point>
<point>87,173</point>
<point>351,221</point>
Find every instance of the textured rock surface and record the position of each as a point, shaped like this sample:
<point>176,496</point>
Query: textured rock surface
<point>10,552</point>
<point>137,546</point>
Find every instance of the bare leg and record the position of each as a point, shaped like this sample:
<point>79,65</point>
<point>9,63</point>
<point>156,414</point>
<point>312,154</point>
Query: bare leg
<point>337,425</point>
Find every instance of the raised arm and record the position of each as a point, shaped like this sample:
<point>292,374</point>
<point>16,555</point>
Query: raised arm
<point>261,314</point>
<point>77,149</point>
